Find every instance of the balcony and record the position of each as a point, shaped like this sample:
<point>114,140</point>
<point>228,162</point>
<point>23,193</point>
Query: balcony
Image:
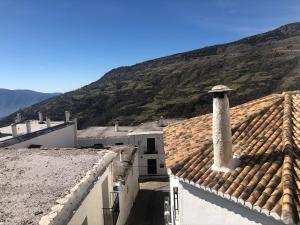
<point>147,152</point>
<point>111,215</point>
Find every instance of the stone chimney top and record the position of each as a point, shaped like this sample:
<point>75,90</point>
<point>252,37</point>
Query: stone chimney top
<point>14,130</point>
<point>161,122</point>
<point>18,118</point>
<point>220,89</point>
<point>48,121</point>
<point>116,126</point>
<point>28,126</point>
<point>67,115</point>
<point>41,117</point>
<point>221,130</point>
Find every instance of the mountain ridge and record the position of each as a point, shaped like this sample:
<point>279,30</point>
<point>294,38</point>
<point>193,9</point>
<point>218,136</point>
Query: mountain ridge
<point>177,85</point>
<point>13,100</point>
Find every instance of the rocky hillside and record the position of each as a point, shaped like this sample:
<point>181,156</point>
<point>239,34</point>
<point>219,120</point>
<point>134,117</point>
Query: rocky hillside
<point>13,100</point>
<point>177,85</point>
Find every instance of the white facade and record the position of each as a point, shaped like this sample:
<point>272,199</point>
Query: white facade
<point>102,195</point>
<point>91,209</point>
<point>108,141</point>
<point>146,155</point>
<point>60,138</point>
<point>200,207</point>
<point>149,162</point>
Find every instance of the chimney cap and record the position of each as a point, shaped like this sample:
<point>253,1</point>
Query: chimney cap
<point>219,89</point>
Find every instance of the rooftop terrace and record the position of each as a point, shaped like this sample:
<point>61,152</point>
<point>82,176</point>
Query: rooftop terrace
<point>32,180</point>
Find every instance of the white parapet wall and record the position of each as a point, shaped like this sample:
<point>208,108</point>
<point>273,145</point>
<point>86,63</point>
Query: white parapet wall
<point>57,138</point>
<point>129,192</point>
<point>85,200</point>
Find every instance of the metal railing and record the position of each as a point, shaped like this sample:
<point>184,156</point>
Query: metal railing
<point>111,215</point>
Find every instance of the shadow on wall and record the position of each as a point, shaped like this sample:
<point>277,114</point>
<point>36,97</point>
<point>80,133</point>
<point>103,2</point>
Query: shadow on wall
<point>231,206</point>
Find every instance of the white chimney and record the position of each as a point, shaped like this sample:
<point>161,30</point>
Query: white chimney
<point>48,121</point>
<point>116,126</point>
<point>221,130</point>
<point>40,117</point>
<point>19,118</point>
<point>67,114</point>
<point>75,131</point>
<point>28,126</point>
<point>161,122</point>
<point>14,130</point>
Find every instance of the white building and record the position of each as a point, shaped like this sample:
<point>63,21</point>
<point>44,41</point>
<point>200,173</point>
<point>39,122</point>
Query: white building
<point>243,171</point>
<point>67,186</point>
<point>148,137</point>
<point>40,133</point>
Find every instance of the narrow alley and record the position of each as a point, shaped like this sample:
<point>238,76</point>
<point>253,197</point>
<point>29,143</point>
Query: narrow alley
<point>149,206</point>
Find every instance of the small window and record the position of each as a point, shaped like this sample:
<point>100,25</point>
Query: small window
<point>119,143</point>
<point>151,146</point>
<point>98,146</point>
<point>161,165</point>
<point>175,199</point>
<point>34,146</point>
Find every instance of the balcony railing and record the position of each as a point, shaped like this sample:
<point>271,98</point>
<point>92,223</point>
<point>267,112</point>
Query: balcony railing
<point>150,152</point>
<point>111,215</point>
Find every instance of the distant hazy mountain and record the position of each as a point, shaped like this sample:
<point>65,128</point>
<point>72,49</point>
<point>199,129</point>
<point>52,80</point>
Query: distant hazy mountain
<point>177,85</point>
<point>13,100</point>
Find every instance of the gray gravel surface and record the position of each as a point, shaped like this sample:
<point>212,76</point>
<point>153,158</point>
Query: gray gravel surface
<point>32,180</point>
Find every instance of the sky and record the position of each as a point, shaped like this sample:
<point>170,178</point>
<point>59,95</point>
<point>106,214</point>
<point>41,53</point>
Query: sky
<point>61,45</point>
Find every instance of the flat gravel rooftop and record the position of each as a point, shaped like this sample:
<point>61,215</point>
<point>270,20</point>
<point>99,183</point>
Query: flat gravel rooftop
<point>31,180</point>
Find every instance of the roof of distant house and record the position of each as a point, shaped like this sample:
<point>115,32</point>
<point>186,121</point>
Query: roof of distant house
<point>153,126</point>
<point>104,132</point>
<point>123,131</point>
<point>6,132</point>
<point>266,139</point>
<point>37,130</point>
<point>33,180</point>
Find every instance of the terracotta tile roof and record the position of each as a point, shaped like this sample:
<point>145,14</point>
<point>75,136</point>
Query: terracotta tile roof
<point>266,139</point>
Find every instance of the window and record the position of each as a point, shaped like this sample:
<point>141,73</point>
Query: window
<point>98,146</point>
<point>161,165</point>
<point>34,146</point>
<point>151,146</point>
<point>175,199</point>
<point>119,143</point>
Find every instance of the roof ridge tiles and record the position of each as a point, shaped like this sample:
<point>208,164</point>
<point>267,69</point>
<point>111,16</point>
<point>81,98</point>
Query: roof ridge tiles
<point>287,215</point>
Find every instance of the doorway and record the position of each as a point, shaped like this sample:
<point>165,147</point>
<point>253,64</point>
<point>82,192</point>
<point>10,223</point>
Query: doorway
<point>152,169</point>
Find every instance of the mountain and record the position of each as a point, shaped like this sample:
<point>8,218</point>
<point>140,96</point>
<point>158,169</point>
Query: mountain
<point>177,85</point>
<point>13,100</point>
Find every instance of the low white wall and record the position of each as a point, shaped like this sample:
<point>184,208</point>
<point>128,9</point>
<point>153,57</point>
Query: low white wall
<point>91,208</point>
<point>61,138</point>
<point>199,207</point>
<point>128,195</point>
<point>174,182</point>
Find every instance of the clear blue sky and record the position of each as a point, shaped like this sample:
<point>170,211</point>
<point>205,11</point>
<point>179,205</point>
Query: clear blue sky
<point>60,45</point>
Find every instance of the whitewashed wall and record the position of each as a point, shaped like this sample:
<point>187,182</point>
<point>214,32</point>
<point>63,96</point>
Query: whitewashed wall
<point>140,140</point>
<point>199,207</point>
<point>61,138</point>
<point>109,141</point>
<point>91,208</point>
<point>129,193</point>
<point>174,182</point>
